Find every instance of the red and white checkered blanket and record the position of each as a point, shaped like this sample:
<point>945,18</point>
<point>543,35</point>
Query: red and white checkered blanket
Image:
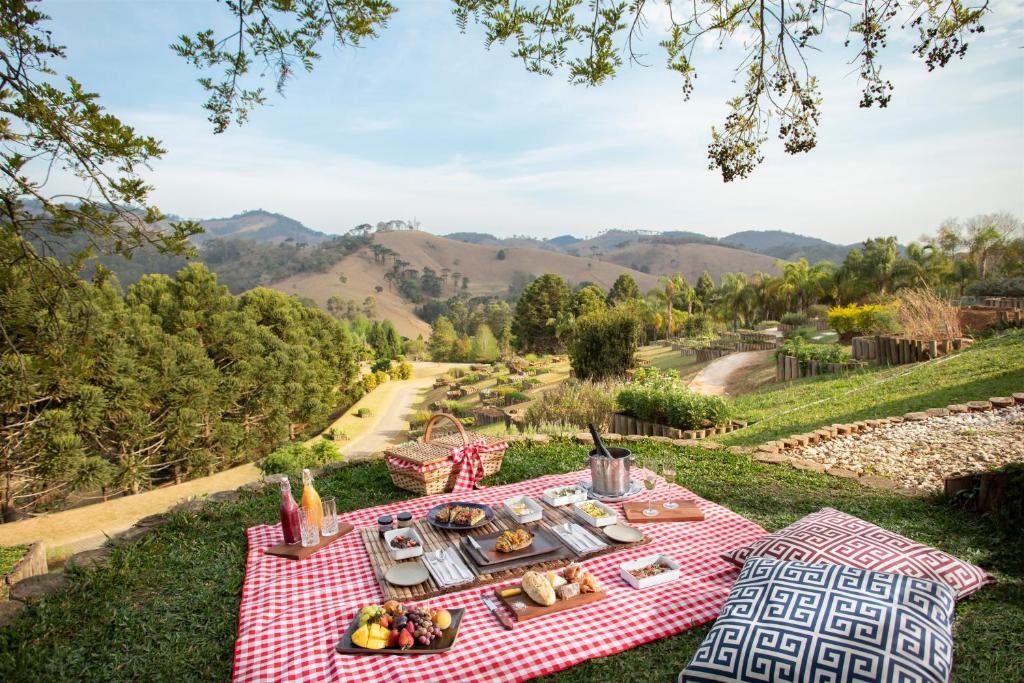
<point>293,613</point>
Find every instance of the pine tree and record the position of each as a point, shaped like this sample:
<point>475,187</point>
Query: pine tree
<point>541,305</point>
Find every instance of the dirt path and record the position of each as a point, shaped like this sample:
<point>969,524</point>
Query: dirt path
<point>716,378</point>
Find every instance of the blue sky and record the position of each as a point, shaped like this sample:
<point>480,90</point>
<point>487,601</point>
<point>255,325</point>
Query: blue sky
<point>426,123</point>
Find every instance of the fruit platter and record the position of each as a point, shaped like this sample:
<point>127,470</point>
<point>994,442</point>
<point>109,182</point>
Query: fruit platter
<point>459,515</point>
<point>398,629</point>
<point>542,593</point>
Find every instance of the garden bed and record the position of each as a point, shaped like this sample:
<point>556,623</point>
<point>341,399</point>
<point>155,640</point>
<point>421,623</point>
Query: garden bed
<point>896,350</point>
<point>627,425</point>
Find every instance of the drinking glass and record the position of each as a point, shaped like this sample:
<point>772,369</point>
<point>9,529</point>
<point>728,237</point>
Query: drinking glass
<point>329,522</point>
<point>668,473</point>
<point>649,483</point>
<point>309,531</point>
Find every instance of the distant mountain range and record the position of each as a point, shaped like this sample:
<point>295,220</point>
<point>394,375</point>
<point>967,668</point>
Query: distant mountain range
<point>259,226</point>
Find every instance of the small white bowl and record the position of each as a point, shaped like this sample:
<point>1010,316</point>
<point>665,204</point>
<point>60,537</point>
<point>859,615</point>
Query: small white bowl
<point>533,509</point>
<point>403,553</point>
<point>557,501</point>
<point>604,520</point>
<point>671,574</point>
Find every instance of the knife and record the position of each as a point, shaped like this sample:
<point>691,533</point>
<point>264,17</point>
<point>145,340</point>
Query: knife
<point>476,546</point>
<point>500,616</point>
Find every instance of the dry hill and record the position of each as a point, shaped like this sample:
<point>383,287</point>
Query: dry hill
<point>488,275</point>
<point>689,259</point>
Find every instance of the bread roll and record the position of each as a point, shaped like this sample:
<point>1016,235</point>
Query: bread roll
<point>538,588</point>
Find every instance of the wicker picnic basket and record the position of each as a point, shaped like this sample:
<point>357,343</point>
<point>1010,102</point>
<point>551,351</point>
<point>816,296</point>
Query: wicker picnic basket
<point>428,469</point>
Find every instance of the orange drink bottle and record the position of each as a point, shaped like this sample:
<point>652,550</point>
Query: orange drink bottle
<point>311,499</point>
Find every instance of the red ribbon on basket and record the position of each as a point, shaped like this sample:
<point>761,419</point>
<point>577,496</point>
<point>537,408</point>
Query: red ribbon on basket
<point>472,470</point>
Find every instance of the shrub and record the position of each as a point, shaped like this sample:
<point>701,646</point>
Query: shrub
<point>514,397</point>
<point>369,381</point>
<point>925,316</point>
<point>402,370</point>
<point>573,404</point>
<point>766,324</point>
<point>997,286</point>
<point>419,419</point>
<point>806,351</point>
<point>603,344</point>
<point>866,319</point>
<point>295,457</point>
<point>817,311</point>
<point>699,325</point>
<point>456,408</point>
<point>363,412</point>
<point>381,365</point>
<point>794,319</point>
<point>657,397</point>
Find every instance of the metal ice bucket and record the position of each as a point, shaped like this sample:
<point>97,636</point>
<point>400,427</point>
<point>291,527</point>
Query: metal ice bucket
<point>610,476</point>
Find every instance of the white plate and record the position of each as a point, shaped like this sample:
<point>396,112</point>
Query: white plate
<point>558,501</point>
<point>534,512</point>
<point>603,520</point>
<point>635,488</point>
<point>623,533</point>
<point>407,574</point>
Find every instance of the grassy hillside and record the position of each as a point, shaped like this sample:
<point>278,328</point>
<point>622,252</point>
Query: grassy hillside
<point>993,367</point>
<point>260,226</point>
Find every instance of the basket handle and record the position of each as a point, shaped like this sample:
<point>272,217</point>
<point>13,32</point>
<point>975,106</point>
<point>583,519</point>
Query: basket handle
<point>443,416</point>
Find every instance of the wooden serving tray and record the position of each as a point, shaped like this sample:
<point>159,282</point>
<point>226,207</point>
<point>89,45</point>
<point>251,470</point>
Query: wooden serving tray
<point>543,543</point>
<point>297,552</point>
<point>523,607</point>
<point>686,512</point>
<point>434,538</point>
<point>442,644</point>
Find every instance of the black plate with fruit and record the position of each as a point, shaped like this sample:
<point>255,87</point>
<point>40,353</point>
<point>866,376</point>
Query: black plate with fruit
<point>396,619</point>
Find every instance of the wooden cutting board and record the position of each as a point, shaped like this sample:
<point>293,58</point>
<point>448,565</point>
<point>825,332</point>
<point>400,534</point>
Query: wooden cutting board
<point>686,512</point>
<point>523,607</point>
<point>297,552</point>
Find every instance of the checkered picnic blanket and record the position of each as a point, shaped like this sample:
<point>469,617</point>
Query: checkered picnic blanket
<point>293,613</point>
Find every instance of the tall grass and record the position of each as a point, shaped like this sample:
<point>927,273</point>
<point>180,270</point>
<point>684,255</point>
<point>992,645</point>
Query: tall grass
<point>925,316</point>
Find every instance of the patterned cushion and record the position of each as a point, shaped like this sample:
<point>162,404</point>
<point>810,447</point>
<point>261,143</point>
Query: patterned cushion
<point>838,538</point>
<point>794,621</point>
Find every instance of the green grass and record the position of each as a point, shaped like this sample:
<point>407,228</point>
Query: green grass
<point>9,557</point>
<point>993,367</point>
<point>166,608</point>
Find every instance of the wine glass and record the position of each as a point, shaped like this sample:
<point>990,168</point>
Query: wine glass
<point>668,473</point>
<point>649,483</point>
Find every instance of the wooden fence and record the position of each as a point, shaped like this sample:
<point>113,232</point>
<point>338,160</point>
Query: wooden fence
<point>789,367</point>
<point>1011,317</point>
<point>893,350</point>
<point>710,353</point>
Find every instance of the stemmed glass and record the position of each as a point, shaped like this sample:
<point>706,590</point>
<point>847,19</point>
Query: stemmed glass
<point>649,483</point>
<point>668,473</point>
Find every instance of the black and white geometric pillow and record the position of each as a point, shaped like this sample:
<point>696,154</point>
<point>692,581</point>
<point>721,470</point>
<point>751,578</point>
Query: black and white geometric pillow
<point>794,621</point>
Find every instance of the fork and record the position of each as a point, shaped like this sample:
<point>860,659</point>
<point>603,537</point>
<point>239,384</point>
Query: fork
<point>442,565</point>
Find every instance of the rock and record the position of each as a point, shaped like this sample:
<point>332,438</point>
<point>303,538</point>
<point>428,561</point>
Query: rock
<point>8,610</point>
<point>611,437</point>
<point>739,424</point>
<point>771,458</point>
<point>253,487</point>
<point>956,408</point>
<point>36,587</point>
<point>824,434</point>
<point>877,482</point>
<point>189,506</point>
<point>660,439</point>
<point>130,536</point>
<point>896,419</point>
<point>841,472</point>
<point>583,437</point>
<point>229,496</point>
<point>978,406</point>
<point>790,442</point>
<point>89,559</point>
<point>540,438</point>
<point>843,429</point>
<point>937,412</point>
<point>801,439</point>
<point>770,447</point>
<point>152,521</point>
<point>738,450</point>
<point>711,445</point>
<point>1001,401</point>
<point>1019,397</point>
<point>915,417</point>
<point>635,437</point>
<point>808,465</point>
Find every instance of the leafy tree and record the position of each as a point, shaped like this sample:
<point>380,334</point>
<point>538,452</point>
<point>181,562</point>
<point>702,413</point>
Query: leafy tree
<point>804,283</point>
<point>604,343</point>
<point>588,39</point>
<point>704,289</point>
<point>484,345</point>
<point>587,300</point>
<point>537,312</point>
<point>442,340</point>
<point>623,289</point>
<point>385,341</point>
<point>501,255</point>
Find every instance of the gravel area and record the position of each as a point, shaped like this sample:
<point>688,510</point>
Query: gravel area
<point>919,455</point>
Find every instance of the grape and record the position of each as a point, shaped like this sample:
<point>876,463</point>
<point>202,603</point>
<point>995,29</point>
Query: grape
<point>423,640</point>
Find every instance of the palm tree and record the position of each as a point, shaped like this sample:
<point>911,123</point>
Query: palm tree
<point>670,288</point>
<point>805,282</point>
